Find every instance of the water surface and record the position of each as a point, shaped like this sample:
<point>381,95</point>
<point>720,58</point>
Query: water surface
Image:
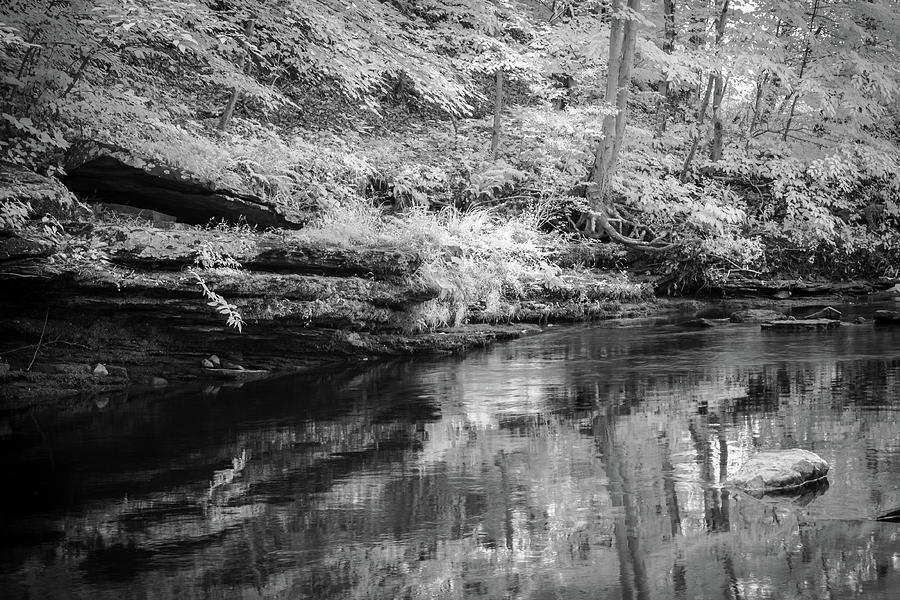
<point>581,463</point>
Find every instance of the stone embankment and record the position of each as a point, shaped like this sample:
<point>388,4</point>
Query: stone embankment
<point>140,307</point>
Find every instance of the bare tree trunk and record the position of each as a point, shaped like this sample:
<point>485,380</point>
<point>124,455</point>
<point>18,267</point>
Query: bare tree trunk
<point>662,106</point>
<point>498,110</point>
<point>225,119</point>
<point>622,40</point>
<point>604,157</point>
<point>714,82</point>
<point>806,52</point>
<point>698,133</point>
<point>761,85</point>
<point>715,152</point>
<point>760,102</point>
<point>718,131</point>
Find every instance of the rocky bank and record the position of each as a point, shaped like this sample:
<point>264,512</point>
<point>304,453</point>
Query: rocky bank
<point>94,304</point>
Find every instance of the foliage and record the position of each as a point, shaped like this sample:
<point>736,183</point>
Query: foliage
<point>842,203</point>
<point>401,93</point>
<point>472,257</point>
<point>13,214</point>
<point>211,257</point>
<point>220,304</point>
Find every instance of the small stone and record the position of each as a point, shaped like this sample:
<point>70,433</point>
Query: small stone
<point>100,370</point>
<point>158,381</point>
<point>214,360</point>
<point>208,364</point>
<point>782,295</point>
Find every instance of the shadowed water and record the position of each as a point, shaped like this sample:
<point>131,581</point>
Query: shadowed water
<point>582,463</point>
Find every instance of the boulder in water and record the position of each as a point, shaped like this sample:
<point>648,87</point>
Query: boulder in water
<point>780,471</point>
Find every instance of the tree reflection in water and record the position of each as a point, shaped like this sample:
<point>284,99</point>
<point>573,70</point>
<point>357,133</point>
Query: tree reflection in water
<point>586,463</point>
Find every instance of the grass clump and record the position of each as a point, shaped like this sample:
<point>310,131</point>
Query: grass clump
<point>476,259</point>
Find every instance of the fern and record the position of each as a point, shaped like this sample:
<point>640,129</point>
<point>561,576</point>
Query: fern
<point>221,305</point>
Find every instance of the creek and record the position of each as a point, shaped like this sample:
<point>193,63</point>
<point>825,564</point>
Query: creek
<point>583,462</point>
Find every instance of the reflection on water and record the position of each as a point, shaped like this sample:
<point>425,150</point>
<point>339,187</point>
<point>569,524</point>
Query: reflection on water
<point>580,463</point>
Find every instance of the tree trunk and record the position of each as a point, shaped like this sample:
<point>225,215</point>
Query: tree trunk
<point>806,52</point>
<point>716,149</point>
<point>761,85</point>
<point>498,108</point>
<point>663,104</point>
<point>622,40</point>
<point>604,157</point>
<point>714,82</point>
<point>715,152</point>
<point>698,132</point>
<point>225,119</point>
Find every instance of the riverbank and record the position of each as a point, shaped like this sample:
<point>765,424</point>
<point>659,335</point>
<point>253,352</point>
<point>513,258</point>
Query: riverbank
<point>111,333</point>
<point>99,301</point>
<point>100,304</point>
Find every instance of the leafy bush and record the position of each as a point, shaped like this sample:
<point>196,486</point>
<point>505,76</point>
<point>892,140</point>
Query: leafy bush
<point>836,212</point>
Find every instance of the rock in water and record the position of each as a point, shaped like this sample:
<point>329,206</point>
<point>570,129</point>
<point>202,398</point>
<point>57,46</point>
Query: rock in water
<point>887,316</point>
<point>828,312</point>
<point>802,324</point>
<point>756,315</point>
<point>700,323</point>
<point>780,470</point>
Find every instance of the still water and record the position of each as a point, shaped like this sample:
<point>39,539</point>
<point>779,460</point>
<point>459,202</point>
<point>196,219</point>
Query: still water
<point>581,463</point>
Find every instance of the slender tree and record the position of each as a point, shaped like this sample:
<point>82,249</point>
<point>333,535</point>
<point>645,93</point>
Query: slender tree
<point>225,119</point>
<point>714,82</point>
<point>498,111</point>
<point>668,46</point>
<point>719,89</point>
<point>811,33</point>
<point>624,23</point>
